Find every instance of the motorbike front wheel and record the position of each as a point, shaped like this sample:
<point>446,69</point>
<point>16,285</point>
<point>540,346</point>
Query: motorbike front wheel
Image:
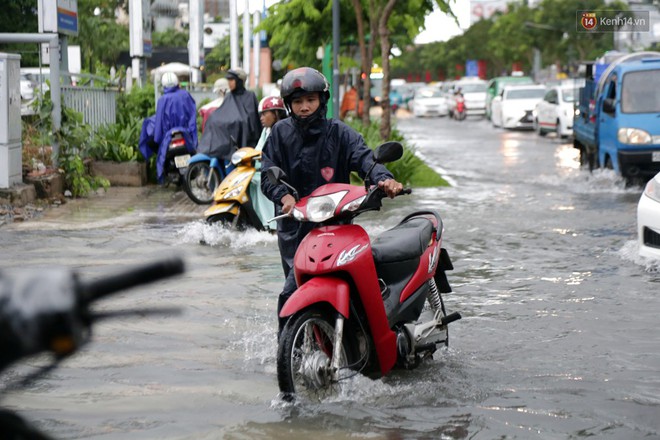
<point>229,220</point>
<point>304,358</point>
<point>200,182</point>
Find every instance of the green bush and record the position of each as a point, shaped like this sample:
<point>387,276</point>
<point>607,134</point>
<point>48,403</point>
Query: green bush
<point>140,103</point>
<point>117,142</point>
<point>410,170</point>
<point>74,139</point>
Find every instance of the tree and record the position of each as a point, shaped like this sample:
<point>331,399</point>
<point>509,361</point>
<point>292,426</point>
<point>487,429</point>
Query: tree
<point>562,16</point>
<point>100,37</point>
<point>20,16</point>
<point>296,28</point>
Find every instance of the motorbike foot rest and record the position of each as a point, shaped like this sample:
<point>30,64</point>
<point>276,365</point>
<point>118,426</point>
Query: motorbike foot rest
<point>384,288</point>
<point>450,318</point>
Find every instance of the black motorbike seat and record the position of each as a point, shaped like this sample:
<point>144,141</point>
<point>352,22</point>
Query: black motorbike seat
<point>406,241</point>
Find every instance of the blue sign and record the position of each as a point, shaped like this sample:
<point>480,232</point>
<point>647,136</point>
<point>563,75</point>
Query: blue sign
<point>471,68</point>
<point>67,21</point>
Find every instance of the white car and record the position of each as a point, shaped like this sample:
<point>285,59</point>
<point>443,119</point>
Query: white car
<point>428,101</point>
<point>514,107</point>
<point>27,88</point>
<point>648,220</point>
<point>474,94</point>
<point>555,112</point>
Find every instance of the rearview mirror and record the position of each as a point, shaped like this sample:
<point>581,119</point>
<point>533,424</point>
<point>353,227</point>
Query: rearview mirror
<point>608,106</point>
<point>388,152</point>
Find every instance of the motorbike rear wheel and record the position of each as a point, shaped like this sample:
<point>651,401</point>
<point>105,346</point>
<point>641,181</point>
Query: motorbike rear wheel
<point>304,357</point>
<point>200,182</point>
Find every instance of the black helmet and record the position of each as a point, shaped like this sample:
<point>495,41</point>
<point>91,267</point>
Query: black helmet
<point>238,74</point>
<point>304,80</point>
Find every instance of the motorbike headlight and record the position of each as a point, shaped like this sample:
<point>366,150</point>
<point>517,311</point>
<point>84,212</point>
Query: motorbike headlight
<point>355,204</point>
<point>237,157</point>
<point>322,208</point>
<point>233,193</point>
<point>652,189</point>
<point>633,136</point>
<point>297,214</point>
<point>241,178</point>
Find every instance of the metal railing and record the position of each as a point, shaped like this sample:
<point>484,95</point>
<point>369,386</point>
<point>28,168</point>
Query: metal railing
<point>97,105</point>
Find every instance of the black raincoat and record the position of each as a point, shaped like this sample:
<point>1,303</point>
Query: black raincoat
<point>237,117</point>
<point>325,152</point>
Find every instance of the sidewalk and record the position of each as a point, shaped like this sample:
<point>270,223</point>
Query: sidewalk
<point>119,201</point>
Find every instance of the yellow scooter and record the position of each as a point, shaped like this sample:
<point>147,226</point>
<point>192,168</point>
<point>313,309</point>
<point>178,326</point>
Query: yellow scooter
<point>238,202</point>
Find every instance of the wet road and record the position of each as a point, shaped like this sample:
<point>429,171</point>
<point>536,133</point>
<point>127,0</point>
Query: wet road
<point>559,337</point>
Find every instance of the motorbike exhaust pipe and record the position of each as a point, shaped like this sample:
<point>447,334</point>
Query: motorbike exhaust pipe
<point>446,320</point>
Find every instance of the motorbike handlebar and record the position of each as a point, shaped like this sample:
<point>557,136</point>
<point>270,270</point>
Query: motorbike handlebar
<point>145,274</point>
<point>48,310</point>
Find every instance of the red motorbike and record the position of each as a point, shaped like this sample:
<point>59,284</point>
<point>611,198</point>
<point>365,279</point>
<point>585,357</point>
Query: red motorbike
<point>459,112</point>
<point>360,304</point>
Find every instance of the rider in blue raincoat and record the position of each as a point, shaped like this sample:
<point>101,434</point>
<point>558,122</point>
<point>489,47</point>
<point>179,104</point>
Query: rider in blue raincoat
<point>176,110</point>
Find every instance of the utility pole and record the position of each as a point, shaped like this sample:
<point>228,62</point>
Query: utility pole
<point>335,58</point>
<point>233,34</point>
<point>246,42</point>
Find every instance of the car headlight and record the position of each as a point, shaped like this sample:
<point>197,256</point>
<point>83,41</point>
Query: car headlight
<point>633,136</point>
<point>322,208</point>
<point>237,157</point>
<point>652,189</point>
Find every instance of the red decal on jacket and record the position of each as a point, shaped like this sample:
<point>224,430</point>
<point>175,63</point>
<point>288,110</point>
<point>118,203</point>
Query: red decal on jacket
<point>327,173</point>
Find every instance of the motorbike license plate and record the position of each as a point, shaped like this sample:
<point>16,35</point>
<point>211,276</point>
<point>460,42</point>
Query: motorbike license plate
<point>181,161</point>
<point>655,157</point>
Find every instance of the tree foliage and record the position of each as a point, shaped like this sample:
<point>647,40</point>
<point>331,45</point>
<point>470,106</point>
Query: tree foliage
<point>100,37</point>
<point>551,27</point>
<point>298,27</point>
<point>20,16</point>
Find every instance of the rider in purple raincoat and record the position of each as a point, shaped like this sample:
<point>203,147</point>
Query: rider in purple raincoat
<point>176,110</point>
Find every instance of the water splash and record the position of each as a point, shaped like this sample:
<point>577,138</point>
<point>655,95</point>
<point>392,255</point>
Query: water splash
<point>584,182</point>
<point>630,252</point>
<point>219,235</point>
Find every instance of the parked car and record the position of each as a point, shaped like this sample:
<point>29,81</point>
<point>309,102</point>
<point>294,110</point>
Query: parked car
<point>27,88</point>
<point>428,101</point>
<point>495,86</point>
<point>514,106</point>
<point>474,95</point>
<point>648,220</point>
<point>555,112</point>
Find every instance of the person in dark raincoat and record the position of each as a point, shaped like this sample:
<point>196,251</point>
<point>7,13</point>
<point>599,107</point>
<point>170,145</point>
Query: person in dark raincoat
<point>237,118</point>
<point>312,150</point>
<point>176,109</point>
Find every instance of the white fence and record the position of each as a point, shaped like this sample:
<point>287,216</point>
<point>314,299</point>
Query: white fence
<point>97,105</point>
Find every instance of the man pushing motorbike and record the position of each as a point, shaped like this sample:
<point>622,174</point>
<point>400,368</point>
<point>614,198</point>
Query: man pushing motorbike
<point>312,150</point>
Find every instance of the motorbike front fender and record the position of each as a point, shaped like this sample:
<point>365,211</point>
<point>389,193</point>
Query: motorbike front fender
<point>199,157</point>
<point>331,290</point>
<point>219,208</point>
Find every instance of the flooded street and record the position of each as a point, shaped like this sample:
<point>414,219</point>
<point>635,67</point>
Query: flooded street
<point>559,337</point>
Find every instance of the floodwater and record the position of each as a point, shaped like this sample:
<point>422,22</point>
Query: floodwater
<point>559,337</point>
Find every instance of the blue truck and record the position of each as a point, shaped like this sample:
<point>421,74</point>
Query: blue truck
<point>617,118</point>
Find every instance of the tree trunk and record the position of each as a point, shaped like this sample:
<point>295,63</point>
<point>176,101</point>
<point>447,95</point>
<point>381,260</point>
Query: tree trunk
<point>385,46</point>
<point>365,55</point>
